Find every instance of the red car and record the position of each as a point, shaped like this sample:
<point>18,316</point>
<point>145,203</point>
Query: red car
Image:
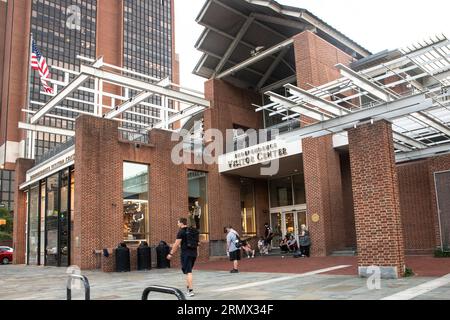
<point>6,255</point>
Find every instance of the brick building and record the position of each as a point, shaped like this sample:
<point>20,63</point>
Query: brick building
<point>355,147</point>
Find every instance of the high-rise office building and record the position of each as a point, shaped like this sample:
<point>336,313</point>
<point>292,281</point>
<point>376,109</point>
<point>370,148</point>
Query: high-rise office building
<point>137,35</point>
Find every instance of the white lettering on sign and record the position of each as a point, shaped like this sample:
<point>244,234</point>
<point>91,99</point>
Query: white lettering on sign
<point>51,167</point>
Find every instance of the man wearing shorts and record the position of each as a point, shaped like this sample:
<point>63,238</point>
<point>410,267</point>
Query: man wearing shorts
<point>232,251</point>
<point>188,255</point>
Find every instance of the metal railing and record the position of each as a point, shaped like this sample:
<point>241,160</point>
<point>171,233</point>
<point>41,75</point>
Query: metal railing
<point>166,290</point>
<point>84,280</point>
<point>56,150</point>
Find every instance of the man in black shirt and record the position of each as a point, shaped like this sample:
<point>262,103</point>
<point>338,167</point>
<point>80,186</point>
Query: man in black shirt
<point>188,255</point>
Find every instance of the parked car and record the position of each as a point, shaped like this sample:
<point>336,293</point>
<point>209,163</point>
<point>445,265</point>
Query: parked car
<point>6,255</point>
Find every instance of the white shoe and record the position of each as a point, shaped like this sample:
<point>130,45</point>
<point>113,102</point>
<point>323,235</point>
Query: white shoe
<point>190,294</point>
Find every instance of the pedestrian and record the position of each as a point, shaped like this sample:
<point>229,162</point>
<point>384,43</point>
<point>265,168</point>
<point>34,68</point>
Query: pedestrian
<point>305,241</point>
<point>247,248</point>
<point>233,249</point>
<point>188,240</point>
<point>262,246</point>
<point>268,236</point>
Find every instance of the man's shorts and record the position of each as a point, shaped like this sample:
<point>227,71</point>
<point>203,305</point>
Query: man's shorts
<point>187,264</point>
<point>235,255</point>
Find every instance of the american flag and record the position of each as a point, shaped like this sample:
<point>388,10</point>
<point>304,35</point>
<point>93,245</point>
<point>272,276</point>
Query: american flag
<point>39,64</point>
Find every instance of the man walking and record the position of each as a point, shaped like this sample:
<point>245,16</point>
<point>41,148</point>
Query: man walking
<point>187,239</point>
<point>232,250</point>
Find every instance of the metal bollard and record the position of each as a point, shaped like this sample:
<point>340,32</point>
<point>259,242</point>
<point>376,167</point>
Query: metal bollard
<point>176,292</point>
<point>87,287</point>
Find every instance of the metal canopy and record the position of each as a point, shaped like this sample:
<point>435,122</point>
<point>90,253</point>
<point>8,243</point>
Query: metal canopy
<point>412,90</point>
<point>137,101</point>
<point>249,43</point>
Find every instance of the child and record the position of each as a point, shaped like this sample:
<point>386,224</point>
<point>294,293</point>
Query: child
<point>263,249</point>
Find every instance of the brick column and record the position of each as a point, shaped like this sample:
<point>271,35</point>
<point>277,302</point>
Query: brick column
<point>376,199</point>
<point>323,185</point>
<point>20,211</point>
<point>98,215</point>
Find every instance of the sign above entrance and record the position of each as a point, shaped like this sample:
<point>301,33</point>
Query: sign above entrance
<point>62,161</point>
<point>259,154</point>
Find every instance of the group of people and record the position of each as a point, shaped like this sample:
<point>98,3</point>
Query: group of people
<point>234,245</point>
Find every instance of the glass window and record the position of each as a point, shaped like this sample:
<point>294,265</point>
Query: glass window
<point>135,202</point>
<point>248,207</point>
<point>64,219</point>
<point>52,220</point>
<point>299,189</point>
<point>281,192</point>
<point>198,201</point>
<point>33,225</point>
<point>42,240</point>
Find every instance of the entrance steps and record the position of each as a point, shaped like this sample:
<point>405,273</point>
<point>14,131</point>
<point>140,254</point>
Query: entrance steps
<point>346,252</point>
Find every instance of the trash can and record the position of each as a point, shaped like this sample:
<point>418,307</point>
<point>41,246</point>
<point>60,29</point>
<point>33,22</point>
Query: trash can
<point>144,257</point>
<point>162,250</point>
<point>123,258</point>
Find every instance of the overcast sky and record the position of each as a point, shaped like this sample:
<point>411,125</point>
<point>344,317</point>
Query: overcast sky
<point>375,24</point>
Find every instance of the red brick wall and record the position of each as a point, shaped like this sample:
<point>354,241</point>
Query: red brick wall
<point>98,189</point>
<point>323,185</point>
<point>98,216</point>
<point>376,196</point>
<point>418,216</point>
<point>15,70</point>
<point>3,19</point>
<point>437,164</point>
<point>20,211</point>
<point>230,105</point>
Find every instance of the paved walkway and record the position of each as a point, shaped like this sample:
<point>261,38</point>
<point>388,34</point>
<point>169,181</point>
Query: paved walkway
<point>45,283</point>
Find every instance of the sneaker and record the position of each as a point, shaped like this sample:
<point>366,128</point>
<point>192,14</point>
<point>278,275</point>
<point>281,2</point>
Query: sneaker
<point>253,254</point>
<point>190,294</point>
<point>234,271</point>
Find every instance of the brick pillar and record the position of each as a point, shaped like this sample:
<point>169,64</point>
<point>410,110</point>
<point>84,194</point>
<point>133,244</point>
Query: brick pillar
<point>323,185</point>
<point>98,218</point>
<point>20,211</point>
<point>376,199</point>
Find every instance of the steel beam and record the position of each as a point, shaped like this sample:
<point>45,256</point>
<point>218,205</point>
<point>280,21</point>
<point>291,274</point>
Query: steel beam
<point>234,44</point>
<point>412,142</point>
<point>424,153</point>
<point>272,67</point>
<point>316,101</point>
<point>45,129</point>
<point>365,84</point>
<point>258,57</point>
<point>288,104</point>
<point>144,86</point>
<point>141,97</point>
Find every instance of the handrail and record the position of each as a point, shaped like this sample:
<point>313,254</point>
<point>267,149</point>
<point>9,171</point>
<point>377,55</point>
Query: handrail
<point>87,287</point>
<point>167,290</point>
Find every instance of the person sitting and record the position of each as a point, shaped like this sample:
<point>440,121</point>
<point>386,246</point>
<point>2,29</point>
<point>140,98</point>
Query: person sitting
<point>284,245</point>
<point>263,249</point>
<point>248,249</point>
<point>292,244</point>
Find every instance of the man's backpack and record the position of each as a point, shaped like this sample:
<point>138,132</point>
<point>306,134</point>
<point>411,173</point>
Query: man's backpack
<point>238,243</point>
<point>192,238</point>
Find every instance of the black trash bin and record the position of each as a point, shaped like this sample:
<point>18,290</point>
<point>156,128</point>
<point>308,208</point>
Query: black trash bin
<point>144,257</point>
<point>123,258</point>
<point>162,250</point>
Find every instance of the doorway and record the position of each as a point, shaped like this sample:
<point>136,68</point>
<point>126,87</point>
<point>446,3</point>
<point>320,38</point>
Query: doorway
<point>442,180</point>
<point>286,222</point>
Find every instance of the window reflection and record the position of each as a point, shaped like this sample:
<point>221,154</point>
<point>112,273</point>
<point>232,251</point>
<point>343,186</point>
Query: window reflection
<point>198,201</point>
<point>135,202</point>
<point>248,207</point>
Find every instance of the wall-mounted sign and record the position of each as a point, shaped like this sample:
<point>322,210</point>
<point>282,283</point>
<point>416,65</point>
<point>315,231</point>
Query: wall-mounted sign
<point>261,153</point>
<point>50,167</point>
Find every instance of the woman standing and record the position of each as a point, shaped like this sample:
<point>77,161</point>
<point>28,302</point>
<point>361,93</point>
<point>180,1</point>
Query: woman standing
<point>305,241</point>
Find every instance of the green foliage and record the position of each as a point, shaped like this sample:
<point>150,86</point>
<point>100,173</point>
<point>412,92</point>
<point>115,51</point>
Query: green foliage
<point>5,215</point>
<point>439,253</point>
<point>5,236</point>
<point>408,272</point>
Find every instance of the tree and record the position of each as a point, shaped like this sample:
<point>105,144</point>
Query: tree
<point>6,230</point>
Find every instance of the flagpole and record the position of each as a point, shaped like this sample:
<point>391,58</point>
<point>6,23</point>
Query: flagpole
<point>29,75</point>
